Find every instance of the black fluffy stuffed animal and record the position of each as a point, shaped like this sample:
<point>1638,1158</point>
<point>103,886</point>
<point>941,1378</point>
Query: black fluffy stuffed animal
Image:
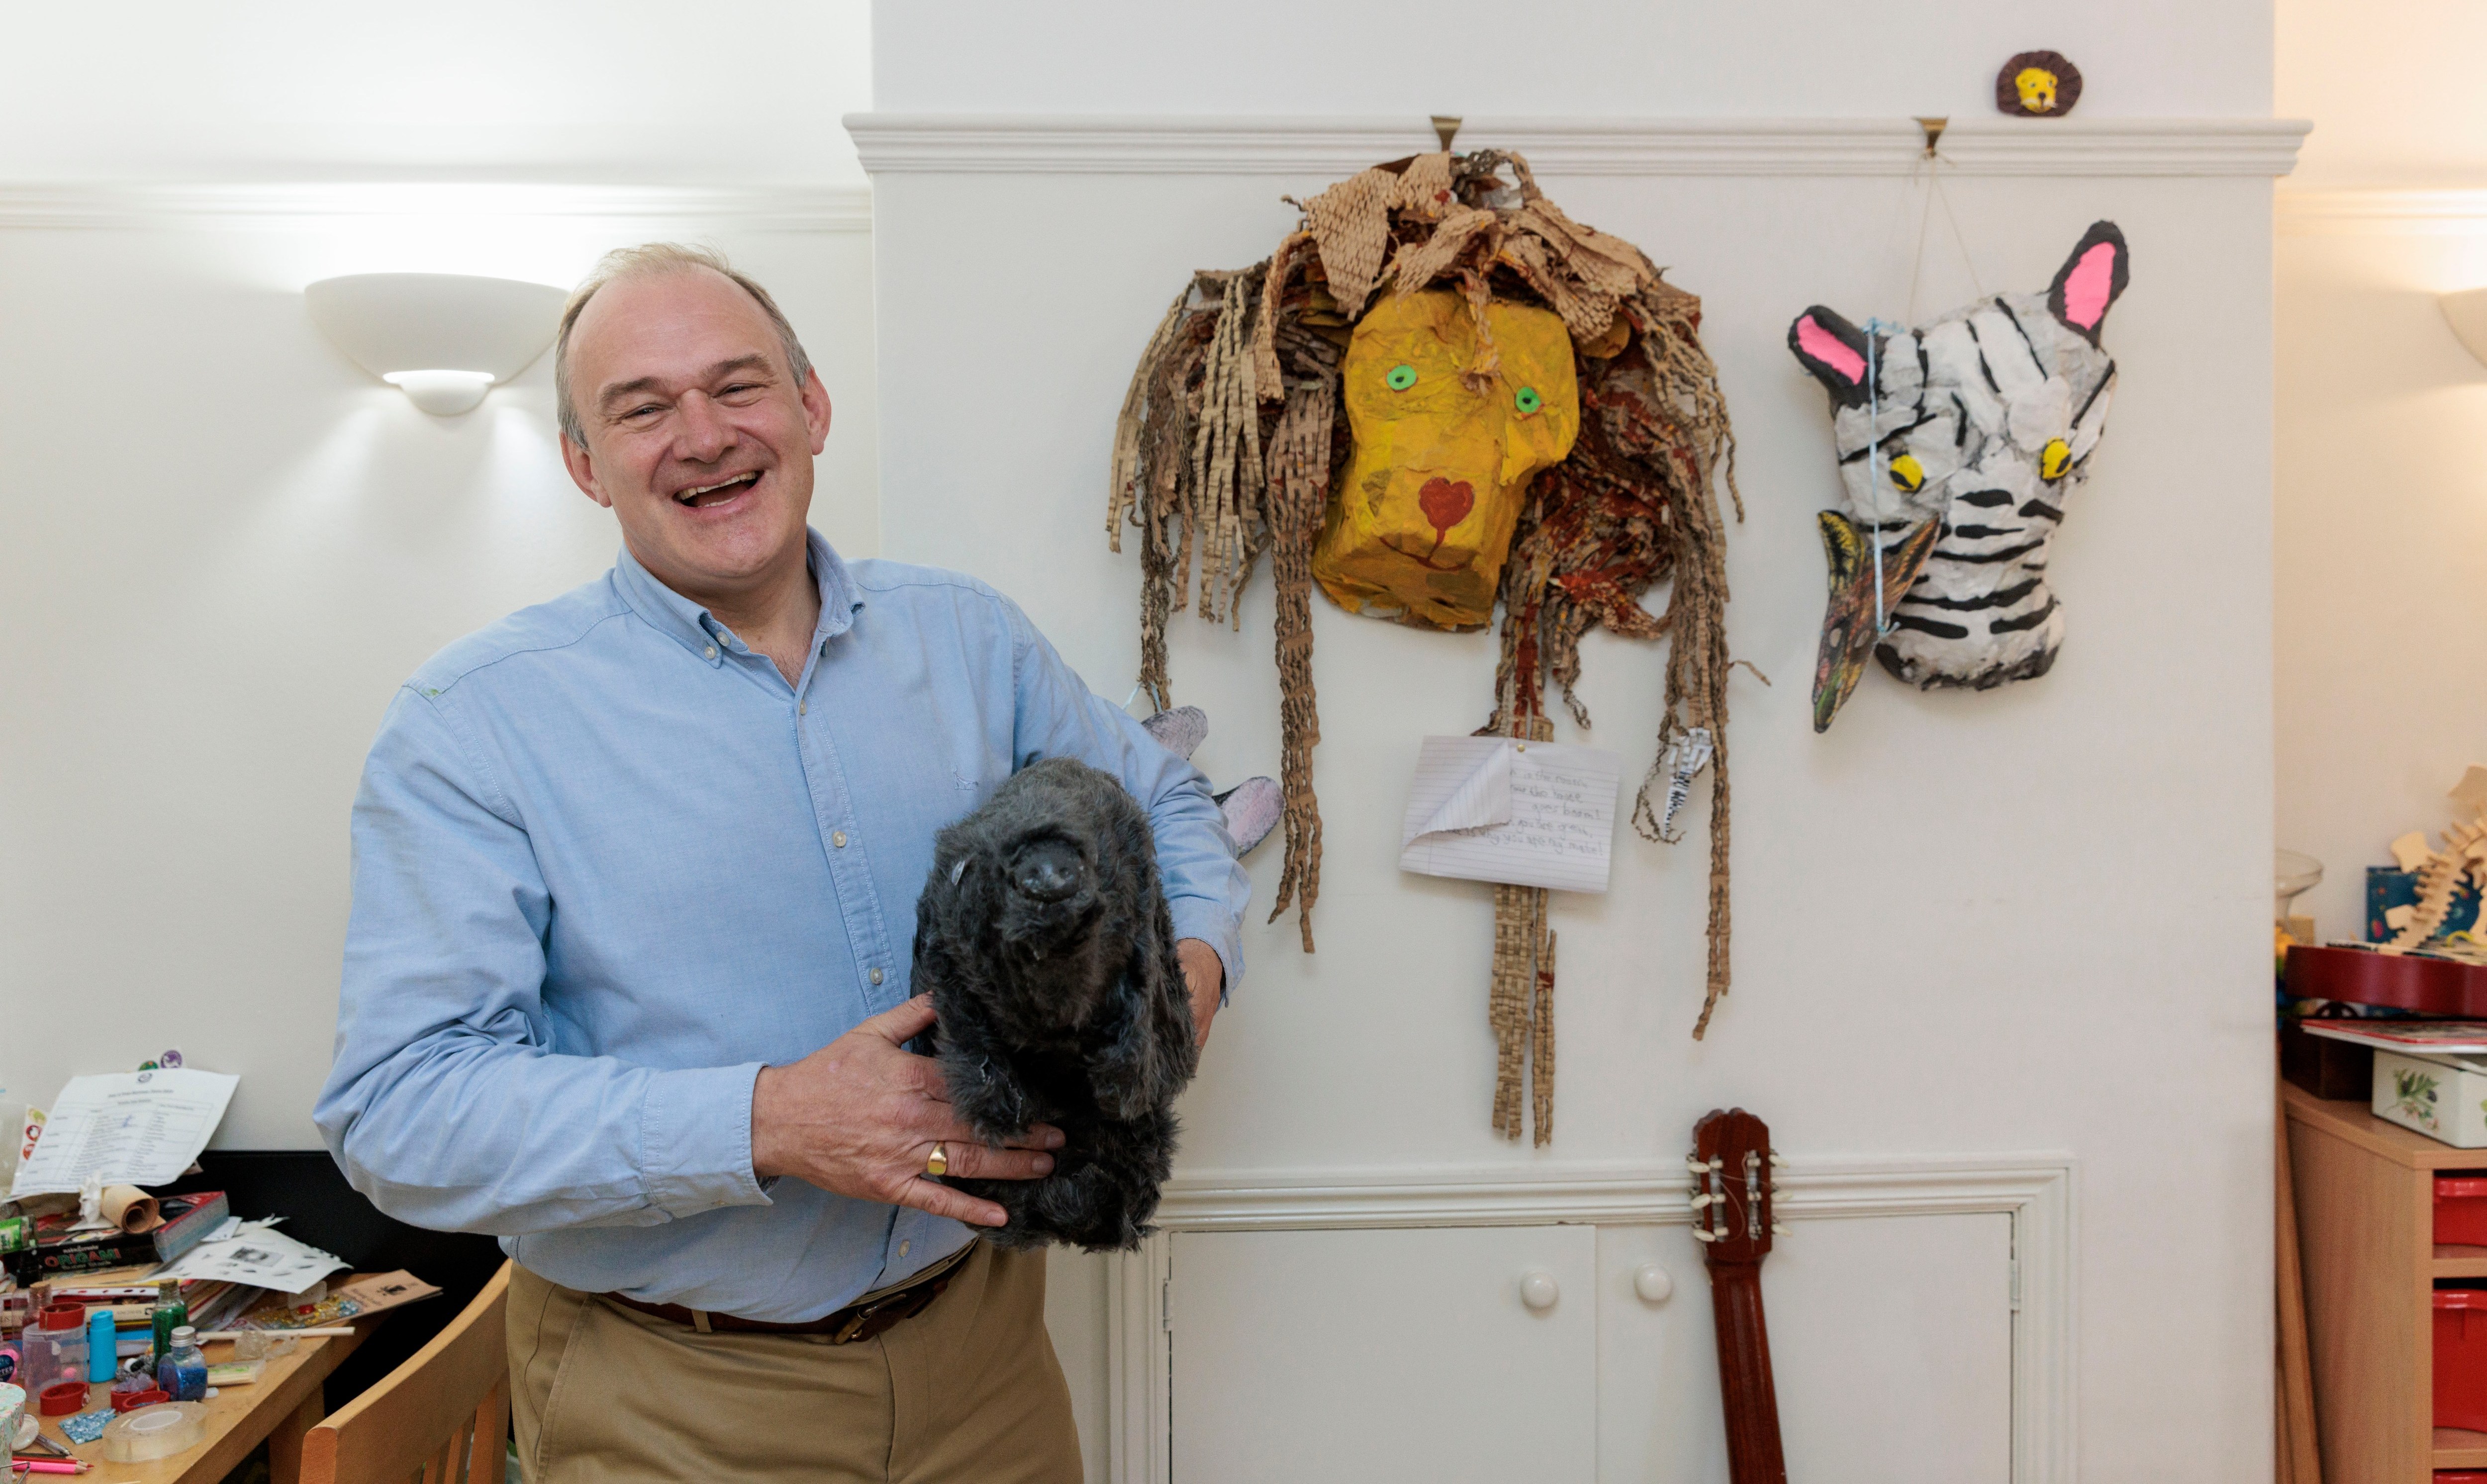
<point>1043,937</point>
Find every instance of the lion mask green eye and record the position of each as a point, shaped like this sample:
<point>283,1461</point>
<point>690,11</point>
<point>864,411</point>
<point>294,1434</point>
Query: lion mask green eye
<point>1401,377</point>
<point>1527,400</point>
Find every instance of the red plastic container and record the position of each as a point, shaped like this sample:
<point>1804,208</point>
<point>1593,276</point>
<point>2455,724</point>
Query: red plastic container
<point>2461,1476</point>
<point>2461,1214</point>
<point>2461,1357</point>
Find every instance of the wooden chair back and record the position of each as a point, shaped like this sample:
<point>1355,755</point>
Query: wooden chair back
<point>441,1417</point>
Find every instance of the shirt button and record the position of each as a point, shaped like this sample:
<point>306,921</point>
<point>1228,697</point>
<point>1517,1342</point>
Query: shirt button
<point>876,976</point>
<point>902,1246</point>
<point>802,707</point>
<point>711,652</point>
<point>838,838</point>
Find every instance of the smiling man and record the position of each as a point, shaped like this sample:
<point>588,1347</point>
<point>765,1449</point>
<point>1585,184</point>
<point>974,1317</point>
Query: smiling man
<point>626,981</point>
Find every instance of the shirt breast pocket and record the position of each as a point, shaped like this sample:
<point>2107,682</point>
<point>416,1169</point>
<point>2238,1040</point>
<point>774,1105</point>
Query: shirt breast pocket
<point>962,772</point>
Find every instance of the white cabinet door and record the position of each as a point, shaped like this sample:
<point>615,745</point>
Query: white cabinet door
<point>1361,1356</point>
<point>1890,1348</point>
<point>1891,1339</point>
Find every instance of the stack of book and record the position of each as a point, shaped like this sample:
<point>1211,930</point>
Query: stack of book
<point>212,1305</point>
<point>56,1251</point>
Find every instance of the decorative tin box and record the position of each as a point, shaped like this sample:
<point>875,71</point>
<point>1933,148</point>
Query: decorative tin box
<point>2443,1097</point>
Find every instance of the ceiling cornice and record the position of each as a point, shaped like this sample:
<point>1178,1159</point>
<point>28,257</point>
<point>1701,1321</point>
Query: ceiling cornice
<point>1329,147</point>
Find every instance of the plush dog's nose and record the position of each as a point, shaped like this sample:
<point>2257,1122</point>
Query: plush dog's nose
<point>1047,872</point>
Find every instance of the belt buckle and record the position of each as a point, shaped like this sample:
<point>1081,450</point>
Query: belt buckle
<point>862,1316</point>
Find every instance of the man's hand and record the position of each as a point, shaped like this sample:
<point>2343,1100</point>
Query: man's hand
<point>1204,974</point>
<point>860,1116</point>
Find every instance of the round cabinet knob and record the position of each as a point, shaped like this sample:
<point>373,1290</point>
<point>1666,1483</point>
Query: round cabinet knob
<point>1537,1289</point>
<point>1652,1282</point>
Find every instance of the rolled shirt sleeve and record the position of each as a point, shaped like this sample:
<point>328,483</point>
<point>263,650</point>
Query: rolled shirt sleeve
<point>1207,888</point>
<point>446,1104</point>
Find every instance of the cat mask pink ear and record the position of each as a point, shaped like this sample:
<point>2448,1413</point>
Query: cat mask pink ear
<point>1834,351</point>
<point>2091,281</point>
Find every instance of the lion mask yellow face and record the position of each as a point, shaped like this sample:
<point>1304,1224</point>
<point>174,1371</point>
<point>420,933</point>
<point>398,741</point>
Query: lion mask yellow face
<point>1420,527</point>
<point>2037,87</point>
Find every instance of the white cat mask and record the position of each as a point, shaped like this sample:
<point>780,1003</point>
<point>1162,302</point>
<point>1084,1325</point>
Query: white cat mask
<point>1959,445</point>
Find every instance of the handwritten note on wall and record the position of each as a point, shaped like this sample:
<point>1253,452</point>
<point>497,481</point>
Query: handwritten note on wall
<point>1525,814</point>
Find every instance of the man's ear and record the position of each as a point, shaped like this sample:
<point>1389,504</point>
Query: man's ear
<point>1836,352</point>
<point>2091,281</point>
<point>582,470</point>
<point>816,410</point>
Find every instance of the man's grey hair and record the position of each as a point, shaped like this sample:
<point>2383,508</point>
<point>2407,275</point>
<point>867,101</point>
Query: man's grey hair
<point>647,261</point>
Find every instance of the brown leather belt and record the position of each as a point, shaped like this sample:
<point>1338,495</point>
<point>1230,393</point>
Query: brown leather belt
<point>857,1321</point>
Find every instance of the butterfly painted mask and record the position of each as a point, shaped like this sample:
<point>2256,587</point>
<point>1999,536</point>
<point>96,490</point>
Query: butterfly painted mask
<point>1960,444</point>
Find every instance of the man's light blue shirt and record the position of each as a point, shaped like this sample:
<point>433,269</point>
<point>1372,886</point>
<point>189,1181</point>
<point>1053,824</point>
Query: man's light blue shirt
<point>608,864</point>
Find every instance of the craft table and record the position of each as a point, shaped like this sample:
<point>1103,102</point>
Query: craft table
<point>280,1407</point>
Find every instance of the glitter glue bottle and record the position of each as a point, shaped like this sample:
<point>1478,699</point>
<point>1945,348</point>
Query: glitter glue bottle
<point>182,1374</point>
<point>102,1339</point>
<point>168,1317</point>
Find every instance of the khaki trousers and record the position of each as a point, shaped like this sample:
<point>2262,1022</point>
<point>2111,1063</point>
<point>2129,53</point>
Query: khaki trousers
<point>968,1390</point>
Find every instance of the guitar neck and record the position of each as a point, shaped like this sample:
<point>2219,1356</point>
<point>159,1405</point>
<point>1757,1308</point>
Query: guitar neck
<point>1750,1400</point>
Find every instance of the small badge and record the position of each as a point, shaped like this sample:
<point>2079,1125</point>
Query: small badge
<point>2038,85</point>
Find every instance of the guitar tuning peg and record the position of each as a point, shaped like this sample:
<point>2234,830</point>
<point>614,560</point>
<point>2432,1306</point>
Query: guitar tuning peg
<point>1699,1201</point>
<point>1779,1228</point>
<point>1698,1235</point>
<point>1696,1164</point>
<point>1716,1163</point>
<point>1779,1160</point>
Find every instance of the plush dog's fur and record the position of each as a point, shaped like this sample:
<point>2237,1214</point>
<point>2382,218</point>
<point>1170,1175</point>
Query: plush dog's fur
<point>1044,939</point>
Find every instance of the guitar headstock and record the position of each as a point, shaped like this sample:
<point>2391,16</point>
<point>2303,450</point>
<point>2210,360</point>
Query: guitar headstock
<point>1734,1185</point>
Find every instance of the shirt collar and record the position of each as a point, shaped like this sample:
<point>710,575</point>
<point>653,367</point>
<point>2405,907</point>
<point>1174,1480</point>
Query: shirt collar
<point>691,626</point>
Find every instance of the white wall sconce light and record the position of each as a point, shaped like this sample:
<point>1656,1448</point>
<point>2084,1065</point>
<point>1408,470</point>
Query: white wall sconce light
<point>442,338</point>
<point>2466,312</point>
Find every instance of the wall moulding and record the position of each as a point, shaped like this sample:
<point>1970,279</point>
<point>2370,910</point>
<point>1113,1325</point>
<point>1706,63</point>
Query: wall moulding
<point>2035,1190</point>
<point>2358,212</point>
<point>106,206</point>
<point>911,144</point>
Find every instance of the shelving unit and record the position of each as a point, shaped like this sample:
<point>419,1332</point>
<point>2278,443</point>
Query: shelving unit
<point>2365,1218</point>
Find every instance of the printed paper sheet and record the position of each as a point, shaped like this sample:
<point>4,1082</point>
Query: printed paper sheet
<point>126,1127</point>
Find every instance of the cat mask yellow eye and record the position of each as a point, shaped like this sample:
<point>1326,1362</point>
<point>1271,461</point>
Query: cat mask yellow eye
<point>2054,459</point>
<point>1907,475</point>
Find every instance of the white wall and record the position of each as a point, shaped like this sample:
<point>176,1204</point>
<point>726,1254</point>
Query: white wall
<point>1767,59</point>
<point>2022,920</point>
<point>2380,497</point>
<point>225,546</point>
<point>2382,82</point>
<point>2379,558</point>
<point>630,90</point>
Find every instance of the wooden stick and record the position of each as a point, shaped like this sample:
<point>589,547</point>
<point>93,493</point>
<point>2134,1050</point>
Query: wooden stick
<point>2300,1462</point>
<point>328,1332</point>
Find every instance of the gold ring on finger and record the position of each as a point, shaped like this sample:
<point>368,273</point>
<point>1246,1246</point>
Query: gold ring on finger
<point>939,1164</point>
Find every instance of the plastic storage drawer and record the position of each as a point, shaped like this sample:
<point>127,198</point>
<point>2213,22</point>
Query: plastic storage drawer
<point>2461,1214</point>
<point>2460,1359</point>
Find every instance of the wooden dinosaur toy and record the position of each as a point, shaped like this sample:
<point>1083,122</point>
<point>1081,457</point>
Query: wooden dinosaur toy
<point>2441,872</point>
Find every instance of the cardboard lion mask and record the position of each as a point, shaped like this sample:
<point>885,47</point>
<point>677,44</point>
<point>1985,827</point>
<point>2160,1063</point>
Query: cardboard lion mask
<point>1438,394</point>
